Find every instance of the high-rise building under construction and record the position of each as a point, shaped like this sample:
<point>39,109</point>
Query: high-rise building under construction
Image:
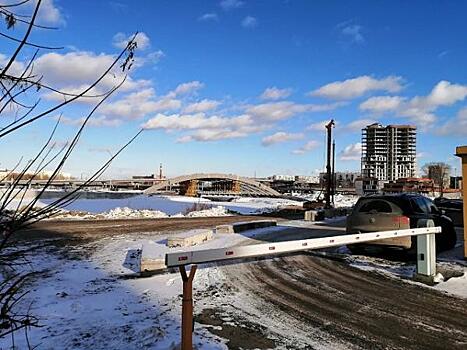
<point>389,152</point>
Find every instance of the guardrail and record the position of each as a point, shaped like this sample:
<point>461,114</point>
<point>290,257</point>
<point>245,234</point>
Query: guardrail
<point>426,259</point>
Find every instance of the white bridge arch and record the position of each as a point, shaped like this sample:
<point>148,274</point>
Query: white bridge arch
<point>247,186</point>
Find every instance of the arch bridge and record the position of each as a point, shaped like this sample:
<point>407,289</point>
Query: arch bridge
<point>213,184</point>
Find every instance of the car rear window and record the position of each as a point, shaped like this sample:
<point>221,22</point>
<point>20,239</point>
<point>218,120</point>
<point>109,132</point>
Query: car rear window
<point>419,205</point>
<point>378,206</point>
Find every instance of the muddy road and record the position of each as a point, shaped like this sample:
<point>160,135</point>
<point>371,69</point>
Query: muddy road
<point>95,229</point>
<point>330,304</point>
<point>363,310</point>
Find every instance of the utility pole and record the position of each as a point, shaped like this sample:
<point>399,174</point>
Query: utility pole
<point>328,164</point>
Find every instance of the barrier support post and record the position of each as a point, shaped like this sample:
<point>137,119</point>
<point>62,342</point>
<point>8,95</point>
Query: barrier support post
<point>187,307</point>
<point>426,253</point>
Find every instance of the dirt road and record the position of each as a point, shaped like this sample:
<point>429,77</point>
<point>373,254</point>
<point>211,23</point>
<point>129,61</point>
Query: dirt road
<point>363,309</point>
<point>89,229</point>
<point>327,300</point>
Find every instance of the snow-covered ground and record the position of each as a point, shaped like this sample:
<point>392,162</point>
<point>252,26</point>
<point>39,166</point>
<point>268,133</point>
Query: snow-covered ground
<point>133,204</point>
<point>87,296</point>
<point>165,206</point>
<point>128,213</point>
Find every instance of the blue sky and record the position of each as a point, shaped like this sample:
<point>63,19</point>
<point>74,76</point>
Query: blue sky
<point>245,86</point>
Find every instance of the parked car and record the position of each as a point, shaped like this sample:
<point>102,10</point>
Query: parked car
<point>399,211</point>
<point>453,208</point>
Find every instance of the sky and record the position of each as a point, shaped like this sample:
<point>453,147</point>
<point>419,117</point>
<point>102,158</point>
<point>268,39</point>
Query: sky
<point>245,87</point>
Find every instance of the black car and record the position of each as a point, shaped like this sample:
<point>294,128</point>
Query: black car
<point>399,211</point>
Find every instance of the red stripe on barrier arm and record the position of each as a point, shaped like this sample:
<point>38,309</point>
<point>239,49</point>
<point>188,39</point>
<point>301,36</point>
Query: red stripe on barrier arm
<point>182,258</point>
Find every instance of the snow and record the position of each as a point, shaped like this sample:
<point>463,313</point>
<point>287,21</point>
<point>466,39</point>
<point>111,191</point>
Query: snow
<point>128,213</point>
<point>456,285</point>
<point>341,200</point>
<point>134,204</point>
<point>173,206</point>
<point>395,269</point>
<point>87,297</point>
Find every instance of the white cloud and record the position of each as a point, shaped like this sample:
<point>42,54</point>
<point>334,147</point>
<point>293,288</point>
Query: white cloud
<point>274,93</point>
<point>138,104</point>
<point>49,13</point>
<point>456,126</point>
<point>443,94</point>
<point>120,40</point>
<point>351,152</point>
<point>280,137</point>
<point>249,22</point>
<point>201,106</point>
<point>152,57</point>
<point>307,147</point>
<point>230,4</point>
<point>205,135</point>
<point>98,121</point>
<point>354,33</point>
<point>187,88</point>
<point>282,110</point>
<point>356,87</point>
<point>15,69</point>
<point>358,124</point>
<point>195,121</point>
<point>419,109</point>
<point>208,17</point>
<point>201,127</point>
<point>74,69</point>
<point>381,104</point>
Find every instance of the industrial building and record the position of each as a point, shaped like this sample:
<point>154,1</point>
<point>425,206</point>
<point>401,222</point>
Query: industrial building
<point>389,152</point>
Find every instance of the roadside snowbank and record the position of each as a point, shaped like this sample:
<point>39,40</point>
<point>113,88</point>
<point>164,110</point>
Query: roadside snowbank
<point>128,213</point>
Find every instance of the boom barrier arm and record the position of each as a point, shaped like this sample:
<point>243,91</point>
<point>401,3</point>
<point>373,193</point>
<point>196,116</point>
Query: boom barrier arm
<point>426,259</point>
<point>261,250</point>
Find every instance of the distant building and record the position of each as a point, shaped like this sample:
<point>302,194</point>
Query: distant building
<point>389,152</point>
<point>416,185</point>
<point>342,178</point>
<point>283,178</point>
<point>455,182</point>
<point>306,178</point>
<point>368,185</point>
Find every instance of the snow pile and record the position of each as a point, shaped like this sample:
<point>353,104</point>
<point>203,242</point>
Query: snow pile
<point>456,286</point>
<point>128,213</point>
<point>214,211</point>
<point>342,200</point>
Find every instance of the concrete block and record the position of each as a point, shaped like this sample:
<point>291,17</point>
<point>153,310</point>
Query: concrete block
<point>151,258</point>
<point>313,215</point>
<point>251,225</point>
<point>189,239</point>
<point>245,226</point>
<point>225,229</point>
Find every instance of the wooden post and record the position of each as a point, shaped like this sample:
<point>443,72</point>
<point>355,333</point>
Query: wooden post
<point>461,152</point>
<point>187,307</point>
